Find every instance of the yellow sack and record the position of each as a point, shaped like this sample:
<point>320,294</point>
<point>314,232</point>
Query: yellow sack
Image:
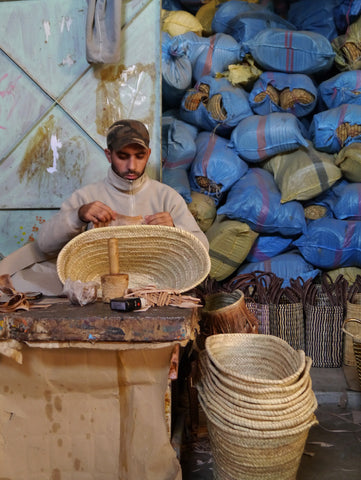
<point>206,13</point>
<point>304,173</point>
<point>203,209</point>
<point>348,48</point>
<point>229,244</point>
<point>243,74</point>
<point>348,160</point>
<point>177,22</point>
<point>349,273</point>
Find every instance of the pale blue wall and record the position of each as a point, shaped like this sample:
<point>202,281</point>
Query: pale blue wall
<point>55,107</point>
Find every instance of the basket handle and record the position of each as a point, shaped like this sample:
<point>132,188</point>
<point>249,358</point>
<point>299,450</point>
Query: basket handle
<point>348,320</point>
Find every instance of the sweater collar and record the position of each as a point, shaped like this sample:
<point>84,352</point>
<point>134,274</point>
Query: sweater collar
<point>126,186</point>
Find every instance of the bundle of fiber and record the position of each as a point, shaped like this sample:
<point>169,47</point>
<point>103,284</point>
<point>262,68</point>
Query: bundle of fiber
<point>256,392</point>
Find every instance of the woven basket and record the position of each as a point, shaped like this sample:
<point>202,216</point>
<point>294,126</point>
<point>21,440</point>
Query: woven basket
<point>247,406</point>
<point>258,423</point>
<point>227,313</point>
<point>261,312</point>
<point>323,332</point>
<point>242,417</point>
<point>264,401</point>
<point>254,459</point>
<point>288,97</point>
<point>259,391</point>
<point>256,359</point>
<point>165,257</point>
<point>353,310</point>
<point>287,322</point>
<point>356,341</point>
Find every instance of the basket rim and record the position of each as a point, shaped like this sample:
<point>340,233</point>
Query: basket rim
<point>259,338</point>
<point>355,338</point>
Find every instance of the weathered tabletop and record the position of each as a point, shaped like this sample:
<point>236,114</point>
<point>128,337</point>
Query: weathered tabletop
<point>97,322</point>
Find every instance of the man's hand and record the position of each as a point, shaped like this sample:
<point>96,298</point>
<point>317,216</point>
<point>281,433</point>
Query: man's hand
<point>96,212</point>
<point>161,218</point>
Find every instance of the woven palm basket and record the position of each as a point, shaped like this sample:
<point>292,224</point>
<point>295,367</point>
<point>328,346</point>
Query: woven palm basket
<point>256,359</point>
<point>263,405</point>
<point>240,417</point>
<point>352,328</point>
<point>227,312</point>
<point>250,453</point>
<point>256,406</point>
<point>165,257</point>
<point>259,391</point>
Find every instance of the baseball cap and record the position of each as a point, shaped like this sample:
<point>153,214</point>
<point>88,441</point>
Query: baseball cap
<point>125,132</point>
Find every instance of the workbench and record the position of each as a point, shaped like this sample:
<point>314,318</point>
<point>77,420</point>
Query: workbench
<point>82,391</point>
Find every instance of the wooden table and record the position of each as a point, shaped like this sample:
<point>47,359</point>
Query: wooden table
<point>87,392</point>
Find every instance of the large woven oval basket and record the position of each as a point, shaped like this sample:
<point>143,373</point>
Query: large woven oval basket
<point>157,255</point>
<point>255,359</point>
<point>264,398</point>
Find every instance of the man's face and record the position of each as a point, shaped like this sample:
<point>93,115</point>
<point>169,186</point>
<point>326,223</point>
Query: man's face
<point>130,161</point>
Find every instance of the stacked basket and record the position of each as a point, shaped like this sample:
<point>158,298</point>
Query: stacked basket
<point>257,395</point>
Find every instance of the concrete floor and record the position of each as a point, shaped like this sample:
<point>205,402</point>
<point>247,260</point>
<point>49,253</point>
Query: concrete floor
<point>333,447</point>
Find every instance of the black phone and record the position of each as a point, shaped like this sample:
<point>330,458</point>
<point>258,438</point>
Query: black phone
<point>126,304</point>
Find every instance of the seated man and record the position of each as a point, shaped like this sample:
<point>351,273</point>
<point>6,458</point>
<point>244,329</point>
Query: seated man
<point>127,192</point>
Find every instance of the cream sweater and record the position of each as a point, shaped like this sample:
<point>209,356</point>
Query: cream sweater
<point>143,196</point>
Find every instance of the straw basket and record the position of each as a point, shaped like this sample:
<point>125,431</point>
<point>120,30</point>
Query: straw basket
<point>238,356</point>
<point>355,334</point>
<point>256,393</point>
<point>353,310</point>
<point>226,312</point>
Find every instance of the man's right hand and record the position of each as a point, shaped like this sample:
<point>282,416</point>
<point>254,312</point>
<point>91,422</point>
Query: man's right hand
<point>96,212</point>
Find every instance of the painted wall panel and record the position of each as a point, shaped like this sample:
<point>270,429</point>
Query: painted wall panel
<point>20,227</point>
<point>47,38</point>
<point>55,107</point>
<point>22,104</point>
<point>49,164</point>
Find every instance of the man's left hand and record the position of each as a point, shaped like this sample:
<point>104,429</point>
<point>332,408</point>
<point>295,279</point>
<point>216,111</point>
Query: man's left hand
<point>161,218</point>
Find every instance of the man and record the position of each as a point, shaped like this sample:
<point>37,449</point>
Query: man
<point>127,190</point>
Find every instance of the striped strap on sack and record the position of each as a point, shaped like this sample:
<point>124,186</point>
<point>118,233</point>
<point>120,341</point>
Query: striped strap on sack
<point>208,63</point>
<point>290,52</point>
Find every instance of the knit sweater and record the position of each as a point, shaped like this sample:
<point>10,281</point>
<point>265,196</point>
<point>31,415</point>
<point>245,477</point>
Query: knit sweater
<point>140,197</point>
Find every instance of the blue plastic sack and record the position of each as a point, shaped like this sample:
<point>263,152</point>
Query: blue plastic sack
<point>217,162</point>
<point>289,51</point>
<point>261,136</point>
<point>222,50</point>
<point>188,44</point>
<point>324,125</point>
<point>178,143</point>
<point>289,265</point>
<point>226,12</point>
<point>268,246</point>
<point>234,102</point>
<point>281,81</point>
<point>330,243</point>
<point>245,26</point>
<point>345,13</point>
<point>347,205</point>
<point>342,88</point>
<point>177,178</point>
<point>208,55</point>
<point>256,200</point>
<point>329,197</point>
<point>314,17</point>
<point>176,73</point>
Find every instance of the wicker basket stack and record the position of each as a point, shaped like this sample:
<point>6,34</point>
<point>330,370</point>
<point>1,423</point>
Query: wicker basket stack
<point>257,395</point>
